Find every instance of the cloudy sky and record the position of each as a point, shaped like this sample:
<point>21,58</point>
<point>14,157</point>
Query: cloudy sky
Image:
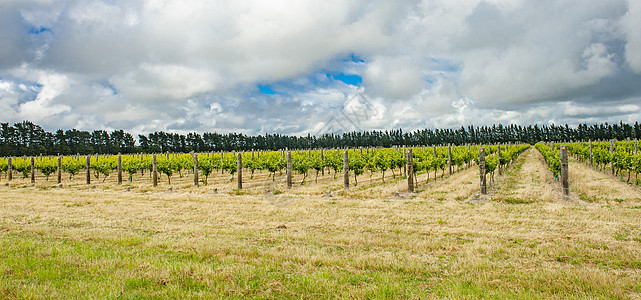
<point>298,67</point>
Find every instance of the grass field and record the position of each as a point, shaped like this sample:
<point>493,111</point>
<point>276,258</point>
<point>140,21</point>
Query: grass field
<point>521,241</point>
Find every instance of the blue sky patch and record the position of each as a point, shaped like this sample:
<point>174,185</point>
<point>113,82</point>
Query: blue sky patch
<point>39,30</point>
<point>266,89</point>
<point>350,79</point>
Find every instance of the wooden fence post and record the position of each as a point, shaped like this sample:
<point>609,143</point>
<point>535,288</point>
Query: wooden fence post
<point>346,169</point>
<point>482,170</point>
<point>322,158</point>
<point>449,157</point>
<point>405,158</point>
<point>239,170</point>
<point>499,154</point>
<point>119,167</point>
<point>59,169</point>
<point>222,170</point>
<point>33,171</point>
<point>289,169</point>
<point>88,159</point>
<point>564,171</point>
<point>195,157</point>
<point>611,160</point>
<point>9,169</point>
<point>154,170</point>
<point>410,171</point>
<point>590,145</point>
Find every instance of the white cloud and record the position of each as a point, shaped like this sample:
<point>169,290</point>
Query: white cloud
<point>161,82</point>
<point>394,77</point>
<point>8,100</point>
<point>631,24</point>
<point>43,106</point>
<point>195,65</point>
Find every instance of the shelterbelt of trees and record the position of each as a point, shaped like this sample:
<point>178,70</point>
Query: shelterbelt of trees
<point>27,138</point>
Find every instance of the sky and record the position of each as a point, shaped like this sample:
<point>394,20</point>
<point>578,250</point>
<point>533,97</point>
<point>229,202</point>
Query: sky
<point>314,67</point>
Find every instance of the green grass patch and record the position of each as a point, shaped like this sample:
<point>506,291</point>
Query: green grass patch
<point>34,266</point>
<point>513,200</point>
<point>590,199</point>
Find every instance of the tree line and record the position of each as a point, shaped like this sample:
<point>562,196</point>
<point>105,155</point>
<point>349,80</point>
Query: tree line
<point>27,138</point>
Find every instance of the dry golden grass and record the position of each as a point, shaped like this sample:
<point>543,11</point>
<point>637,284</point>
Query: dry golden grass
<point>197,243</point>
<point>460,186</point>
<point>528,181</point>
<point>592,185</point>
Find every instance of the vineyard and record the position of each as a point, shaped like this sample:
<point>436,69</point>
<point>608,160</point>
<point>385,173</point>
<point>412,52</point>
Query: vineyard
<point>237,226</point>
<point>277,171</point>
<point>270,169</point>
<point>621,158</point>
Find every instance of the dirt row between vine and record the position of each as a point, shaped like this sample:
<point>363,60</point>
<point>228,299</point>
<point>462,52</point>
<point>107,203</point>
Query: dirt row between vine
<point>526,181</point>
